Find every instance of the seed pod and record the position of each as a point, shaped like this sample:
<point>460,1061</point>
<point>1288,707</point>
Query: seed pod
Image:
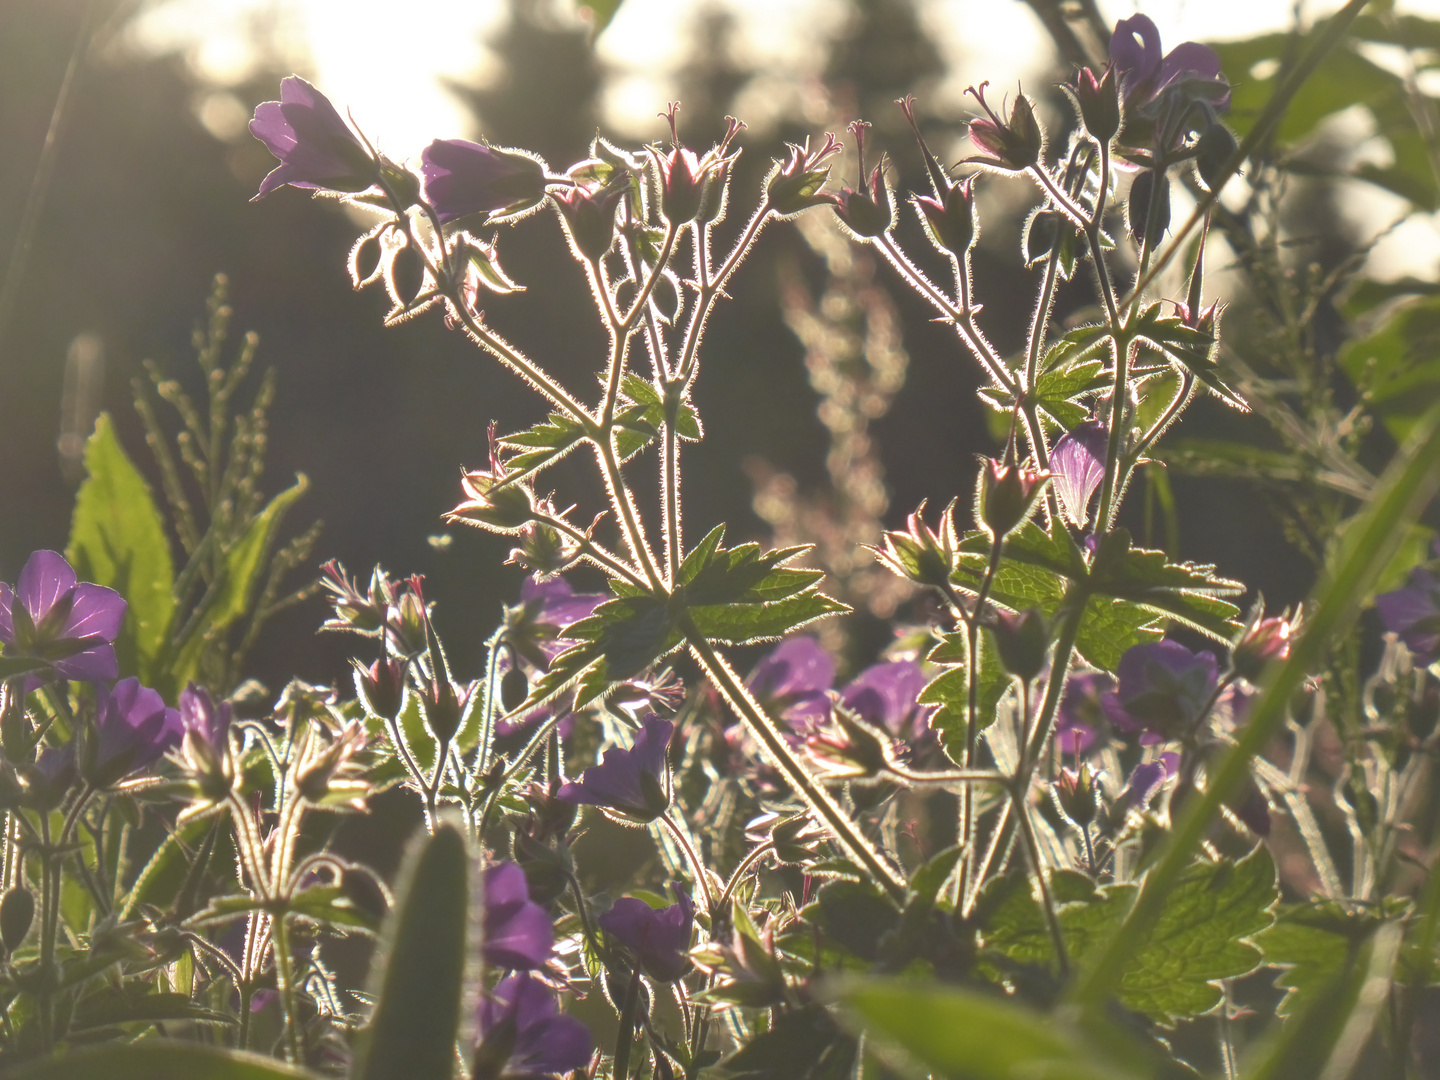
<point>1137,210</point>
<point>1212,153</point>
<point>17,912</point>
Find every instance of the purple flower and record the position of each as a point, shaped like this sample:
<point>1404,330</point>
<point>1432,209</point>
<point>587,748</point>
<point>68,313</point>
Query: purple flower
<point>1162,688</point>
<point>463,178</point>
<point>1080,717</point>
<point>517,931</point>
<point>1146,779</point>
<point>658,939</point>
<point>68,623</point>
<point>884,694</point>
<point>546,610</point>
<point>1078,465</point>
<point>316,148</point>
<point>1412,612</point>
<point>792,681</point>
<point>133,728</point>
<point>200,714</point>
<point>635,783</point>
<point>525,1037</point>
<point>1145,73</point>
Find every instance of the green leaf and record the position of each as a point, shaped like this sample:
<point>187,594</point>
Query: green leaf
<point>136,1003</point>
<point>117,539</point>
<point>620,639</point>
<point>950,690</point>
<point>687,420</point>
<point>967,1035</point>
<point>1057,390</point>
<point>1192,348</point>
<point>804,1044</point>
<point>855,915</point>
<point>1189,593</point>
<point>163,877</point>
<point>542,445</point>
<point>419,974</point>
<point>1400,495</point>
<point>1313,943</point>
<point>245,563</point>
<point>12,667</point>
<point>158,1059</point>
<point>1397,367</point>
<point>1201,937</point>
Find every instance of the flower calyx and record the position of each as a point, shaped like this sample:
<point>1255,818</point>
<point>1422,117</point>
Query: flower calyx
<point>867,211</point>
<point>795,184</point>
<point>1011,145</point>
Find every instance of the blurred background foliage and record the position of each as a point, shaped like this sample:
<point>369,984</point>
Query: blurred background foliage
<point>833,405</point>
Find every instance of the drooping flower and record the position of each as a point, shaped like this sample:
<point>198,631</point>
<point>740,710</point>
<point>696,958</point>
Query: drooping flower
<point>634,783</point>
<point>462,178</point>
<point>659,939</point>
<point>133,729</point>
<point>1145,72</point>
<point>1413,612</point>
<point>793,681</point>
<point>1162,687</point>
<point>206,741</point>
<point>316,148</point>
<point>525,1036</point>
<point>1078,464</point>
<point>202,715</point>
<point>52,616</point>
<point>1080,717</point>
<point>884,695</point>
<point>517,932</point>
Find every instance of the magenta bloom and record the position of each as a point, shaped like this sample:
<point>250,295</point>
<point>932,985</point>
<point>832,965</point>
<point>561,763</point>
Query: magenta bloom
<point>517,931</point>
<point>1412,612</point>
<point>525,1037</point>
<point>1145,73</point>
<point>1163,688</point>
<point>68,623</point>
<point>1078,465</point>
<point>658,939</point>
<point>1078,723</point>
<point>463,178</point>
<point>635,783</point>
<point>547,610</point>
<point>133,729</point>
<point>792,681</point>
<point>884,694</point>
<point>316,148</point>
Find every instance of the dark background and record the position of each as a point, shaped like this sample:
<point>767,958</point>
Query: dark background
<point>145,205</point>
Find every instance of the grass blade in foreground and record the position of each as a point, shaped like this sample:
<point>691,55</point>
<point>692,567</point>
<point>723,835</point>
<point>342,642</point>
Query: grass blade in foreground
<point>1402,493</point>
<point>418,992</point>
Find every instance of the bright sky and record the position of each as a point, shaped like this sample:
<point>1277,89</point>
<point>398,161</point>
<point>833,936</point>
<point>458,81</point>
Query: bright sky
<point>359,54</point>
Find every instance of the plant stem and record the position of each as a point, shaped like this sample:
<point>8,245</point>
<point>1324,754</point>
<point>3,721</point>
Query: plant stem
<point>625,1038</point>
<point>697,868</point>
<point>820,801</point>
<point>285,985</point>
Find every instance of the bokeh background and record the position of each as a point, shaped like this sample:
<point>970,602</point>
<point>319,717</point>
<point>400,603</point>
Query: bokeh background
<point>809,436</point>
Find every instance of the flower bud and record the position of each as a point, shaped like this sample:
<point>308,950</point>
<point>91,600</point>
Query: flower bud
<point>323,778</point>
<point>589,214</point>
<point>443,708</point>
<point>382,686</point>
<point>1099,101</point>
<point>1007,495</point>
<point>547,869</point>
<point>1262,642</point>
<point>1137,209</point>
<point>795,184</point>
<point>1076,794</point>
<point>1023,641</point>
<point>404,276</point>
<point>493,504</point>
<point>1014,145</point>
<point>867,212</point>
<point>796,839</point>
<point>950,219</point>
<point>17,912</point>
<point>543,550</point>
<point>853,749</point>
<point>1213,152</point>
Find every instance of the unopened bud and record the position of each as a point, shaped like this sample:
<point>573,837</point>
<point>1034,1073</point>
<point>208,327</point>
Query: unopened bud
<point>1007,495</point>
<point>17,912</point>
<point>1022,641</point>
<point>1076,794</point>
<point>950,219</point>
<point>1099,102</point>
<point>1213,152</point>
<point>1267,640</point>
<point>443,708</point>
<point>1147,227</point>
<point>382,686</point>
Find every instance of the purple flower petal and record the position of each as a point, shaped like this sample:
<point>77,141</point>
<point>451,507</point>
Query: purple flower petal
<point>1413,612</point>
<point>1078,464</point>
<point>1135,48</point>
<point>133,728</point>
<point>1162,688</point>
<point>797,666</point>
<point>463,178</point>
<point>1146,779</point>
<point>97,612</point>
<point>200,713</point>
<point>44,579</point>
<point>885,694</point>
<point>316,148</point>
<point>659,939</point>
<point>96,664</point>
<point>545,1043</point>
<point>631,782</point>
<point>1079,717</point>
<point>517,932</point>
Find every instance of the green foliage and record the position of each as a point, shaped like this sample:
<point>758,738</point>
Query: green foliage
<point>950,689</point>
<point>1201,937</point>
<point>804,1044</point>
<point>963,1034</point>
<point>157,1060</point>
<point>420,973</point>
<point>117,540</point>
<point>1397,366</point>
